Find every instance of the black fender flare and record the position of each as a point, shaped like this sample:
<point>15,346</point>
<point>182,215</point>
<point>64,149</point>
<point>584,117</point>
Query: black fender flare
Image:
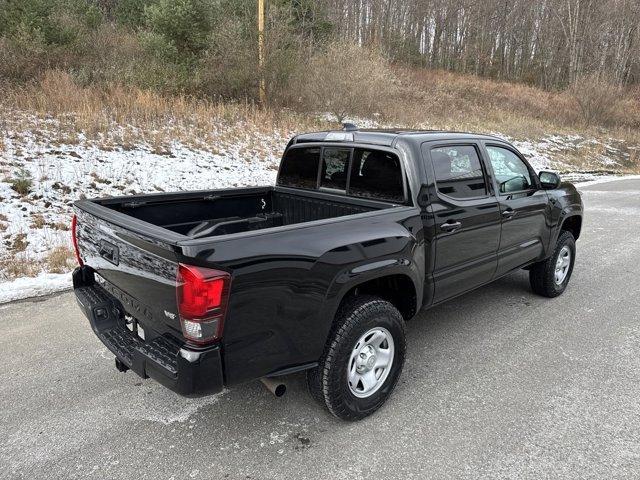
<point>348,279</point>
<point>572,211</point>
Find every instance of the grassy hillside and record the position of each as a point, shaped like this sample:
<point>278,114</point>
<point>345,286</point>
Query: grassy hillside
<point>117,116</point>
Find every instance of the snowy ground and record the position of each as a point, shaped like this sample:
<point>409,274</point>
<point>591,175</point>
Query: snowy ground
<point>33,225</point>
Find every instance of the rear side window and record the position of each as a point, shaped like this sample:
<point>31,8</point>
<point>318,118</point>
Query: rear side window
<point>335,166</point>
<point>299,168</point>
<point>458,171</point>
<point>376,174</point>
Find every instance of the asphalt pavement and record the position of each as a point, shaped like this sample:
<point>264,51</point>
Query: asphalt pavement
<point>499,383</point>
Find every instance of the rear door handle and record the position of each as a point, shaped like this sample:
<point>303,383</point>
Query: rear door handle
<point>450,226</point>
<point>508,213</point>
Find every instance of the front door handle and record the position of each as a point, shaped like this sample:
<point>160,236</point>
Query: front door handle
<point>450,226</point>
<point>508,213</point>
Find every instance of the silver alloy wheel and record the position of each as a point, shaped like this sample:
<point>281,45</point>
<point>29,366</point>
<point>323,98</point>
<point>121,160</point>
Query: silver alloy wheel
<point>562,265</point>
<point>370,362</point>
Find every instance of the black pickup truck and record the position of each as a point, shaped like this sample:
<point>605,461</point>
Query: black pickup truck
<point>363,229</point>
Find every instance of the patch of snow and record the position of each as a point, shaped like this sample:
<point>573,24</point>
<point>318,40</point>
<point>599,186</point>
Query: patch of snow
<point>359,122</point>
<point>43,284</point>
<point>537,154</point>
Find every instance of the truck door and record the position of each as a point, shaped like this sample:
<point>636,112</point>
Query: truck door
<point>523,208</point>
<point>466,218</point>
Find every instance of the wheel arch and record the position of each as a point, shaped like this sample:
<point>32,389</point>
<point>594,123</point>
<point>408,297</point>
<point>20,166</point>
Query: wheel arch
<point>398,288</point>
<point>572,224</point>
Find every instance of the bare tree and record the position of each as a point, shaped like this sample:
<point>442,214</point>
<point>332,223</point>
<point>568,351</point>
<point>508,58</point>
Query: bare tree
<point>346,80</point>
<point>550,43</point>
<point>597,99</point>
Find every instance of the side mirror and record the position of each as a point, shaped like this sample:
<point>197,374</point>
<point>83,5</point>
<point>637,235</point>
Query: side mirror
<point>514,184</point>
<point>549,180</point>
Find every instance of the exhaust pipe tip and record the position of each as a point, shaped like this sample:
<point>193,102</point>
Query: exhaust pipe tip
<point>280,390</point>
<point>276,387</point>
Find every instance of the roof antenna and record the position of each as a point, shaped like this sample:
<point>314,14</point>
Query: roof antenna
<point>349,127</point>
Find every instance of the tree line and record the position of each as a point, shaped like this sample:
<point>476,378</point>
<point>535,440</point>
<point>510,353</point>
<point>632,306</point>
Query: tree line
<point>549,43</point>
<point>209,46</point>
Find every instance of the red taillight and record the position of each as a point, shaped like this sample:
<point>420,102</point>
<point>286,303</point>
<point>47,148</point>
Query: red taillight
<point>74,238</point>
<point>202,302</point>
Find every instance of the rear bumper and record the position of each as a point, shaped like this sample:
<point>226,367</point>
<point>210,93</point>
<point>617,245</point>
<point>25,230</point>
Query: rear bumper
<point>188,372</point>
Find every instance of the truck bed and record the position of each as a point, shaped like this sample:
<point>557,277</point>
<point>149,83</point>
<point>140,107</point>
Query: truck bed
<point>221,212</point>
<point>278,244</point>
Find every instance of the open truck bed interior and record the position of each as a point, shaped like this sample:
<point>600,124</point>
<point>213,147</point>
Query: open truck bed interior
<point>214,213</point>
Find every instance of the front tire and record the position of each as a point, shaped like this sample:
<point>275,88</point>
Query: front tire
<point>551,277</point>
<point>363,358</point>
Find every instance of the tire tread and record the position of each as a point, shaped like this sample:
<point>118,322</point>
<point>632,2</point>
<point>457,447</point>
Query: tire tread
<point>541,274</point>
<point>322,384</point>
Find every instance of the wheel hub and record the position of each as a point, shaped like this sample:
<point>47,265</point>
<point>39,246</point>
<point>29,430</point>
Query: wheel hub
<point>370,362</point>
<point>563,263</point>
<point>366,359</point>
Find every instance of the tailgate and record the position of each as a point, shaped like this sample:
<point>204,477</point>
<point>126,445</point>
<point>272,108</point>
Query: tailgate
<point>140,271</point>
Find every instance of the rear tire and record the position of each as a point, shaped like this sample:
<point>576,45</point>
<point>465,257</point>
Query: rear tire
<point>551,277</point>
<point>363,358</point>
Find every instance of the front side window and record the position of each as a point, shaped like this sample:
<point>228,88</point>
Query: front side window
<point>335,166</point>
<point>511,172</point>
<point>299,168</point>
<point>376,174</point>
<point>458,171</point>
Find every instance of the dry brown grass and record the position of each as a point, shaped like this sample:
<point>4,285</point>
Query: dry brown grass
<point>123,117</point>
<point>38,221</point>
<point>60,260</point>
<point>598,100</point>
<point>441,99</point>
<point>358,76</point>
<point>20,243</point>
<point>444,100</point>
<point>143,115</point>
<point>16,267</point>
<point>59,226</point>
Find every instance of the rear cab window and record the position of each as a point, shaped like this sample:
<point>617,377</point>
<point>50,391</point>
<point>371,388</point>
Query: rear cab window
<point>356,172</point>
<point>335,168</point>
<point>299,168</point>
